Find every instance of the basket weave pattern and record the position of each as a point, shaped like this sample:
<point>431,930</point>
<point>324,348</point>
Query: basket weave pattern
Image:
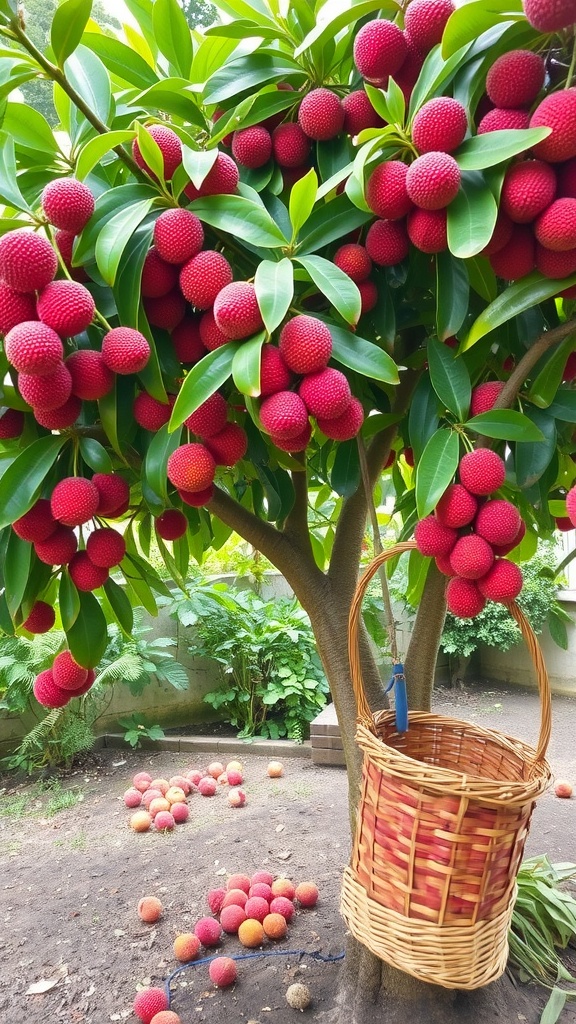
<point>443,818</point>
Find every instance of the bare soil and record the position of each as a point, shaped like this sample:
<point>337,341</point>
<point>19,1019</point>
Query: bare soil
<point>70,882</point>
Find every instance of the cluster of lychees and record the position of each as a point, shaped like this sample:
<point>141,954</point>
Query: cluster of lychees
<point>56,686</point>
<point>469,536</point>
<point>165,801</point>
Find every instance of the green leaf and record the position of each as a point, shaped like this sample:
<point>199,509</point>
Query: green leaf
<point>198,163</point>
<point>506,425</point>
<point>160,450</point>
<point>468,22</point>
<point>9,191</point>
<point>151,152</point>
<point>116,234</point>
<point>172,34</point>
<point>29,129</point>
<point>141,11</point>
<point>241,218</point>
<point>423,418</point>
<point>559,634</point>
<point>203,380</point>
<point>545,387</point>
<point>495,147</point>
<point>173,96</point>
<point>452,294</point>
<point>564,406</point>
<point>450,378</point>
<point>338,288</point>
<point>68,601</point>
<point>363,356</point>
<point>22,480</point>
<point>244,73</point>
<point>471,216</point>
<point>246,366</point>
<point>108,205</point>
<point>68,26</point>
<point>120,605</point>
<point>93,151</point>
<point>274,284</point>
<point>335,15</point>
<point>531,460</point>
<point>87,74</point>
<point>435,75</point>
<point>95,455</point>
<point>330,221</point>
<point>436,469</point>
<point>88,635</point>
<point>346,475</point>
<point>556,1002</point>
<point>302,198</point>
<point>418,567</point>
<point>482,278</point>
<point>522,295</point>
<point>127,286</point>
<point>16,570</point>
<point>121,60</point>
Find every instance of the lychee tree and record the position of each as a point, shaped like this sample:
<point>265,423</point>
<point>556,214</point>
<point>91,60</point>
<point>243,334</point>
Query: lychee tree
<point>265,276</point>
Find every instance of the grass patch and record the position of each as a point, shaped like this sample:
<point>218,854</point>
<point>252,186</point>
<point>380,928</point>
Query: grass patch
<point>43,799</point>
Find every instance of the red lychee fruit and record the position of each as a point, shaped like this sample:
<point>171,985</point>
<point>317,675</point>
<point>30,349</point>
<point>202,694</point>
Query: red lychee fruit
<point>503,582</point>
<point>37,524</point>
<point>223,971</point>
<point>106,548</point>
<point>203,277</point>
<point>84,574</point>
<point>517,258</point>
<point>439,126</point>
<point>484,396</point>
<point>222,179</point>
<point>433,180</point>
<point>228,446</point>
<point>425,20</point>
<point>294,444</point>
<point>290,146</point>
<point>482,471</point>
<point>555,264</point>
<point>379,49</point>
<point>60,418</point>
<point>345,426</point>
<point>433,538</point>
<point>262,889</point>
<point>197,499</point>
<point>169,145</point>
<point>210,417</point>
<point>47,693</point>
<point>125,350</point>
<point>215,897</point>
<point>498,522</point>
<point>150,1001</point>
<point>149,413</point>
<point>408,454</point>
<point>208,930</point>
<point>59,548</point>
<point>149,908</point>
<point>252,147</point>
<point>499,120</point>
<point>239,881</point>
<point>113,493</point>
<point>354,261</point>
<point>515,79</point>
<point>171,525</point>
<point>569,372</point>
<point>257,908</point>
<point>549,15</point>
<point>15,308</point>
<point>166,1017</point>
<point>282,905</point>
<point>33,348</point>
<point>158,277</point>
<point>284,415</point>
<point>231,918</point>
<point>387,242</point>
<point>571,505</point>
<point>178,235</point>
<point>274,374</point>
<point>359,113</point>
<point>326,394</point>
<point>566,177</point>
<point>528,188</point>
<point>91,378</point>
<point>66,306</point>
<point>132,798</point>
<point>555,228</point>
<point>368,296</point>
<point>444,565</point>
<point>457,507</point>
<point>321,114</point>
<point>41,618</point>
<point>262,876</point>
<point>471,557</point>
<point>428,230</point>
<point>68,675</point>
<point>27,261</point>
<point>463,598</point>
<point>11,424</point>
<point>46,392</point>
<point>305,344</point>
<point>74,501</point>
<point>500,236</point>
<point>188,344</point>
<point>558,112</point>
<point>67,204</point>
<point>191,467</point>
<point>164,821</point>
<point>307,894</point>
<point>210,334</point>
<point>166,312</point>
<point>236,310</point>
<point>386,192</point>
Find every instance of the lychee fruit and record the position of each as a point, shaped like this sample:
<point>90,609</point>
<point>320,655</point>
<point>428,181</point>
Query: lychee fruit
<point>132,798</point>
<point>33,348</point>
<point>125,350</point>
<point>528,188</point>
<point>262,889</point>
<point>499,120</point>
<point>307,894</point>
<point>210,417</point>
<point>60,418</point>
<point>290,146</point>
<point>46,392</point>
<point>202,277</point>
<point>191,467</point>
<point>66,306</point>
<point>359,113</point>
<point>59,548</point>
<point>387,242</point>
<point>15,308</point>
<point>68,675</point>
<point>40,619</point>
<point>517,258</point>
<point>555,264</point>
<point>140,822</point>
<point>482,471</point>
<point>91,378</point>
<point>283,887</point>
<point>274,770</point>
<point>262,876</point>
<point>238,881</point>
<point>208,930</point>
<point>345,426</point>
<point>368,296</point>
<point>207,786</point>
<point>503,582</point>
<point>158,276</point>
<point>484,396</point>
<point>282,905</point>
<point>106,548</point>
<point>433,180</point>
<point>515,79</point>
<point>440,125</point>
<point>223,971</point>
<point>386,192</point>
<point>326,394</point>
<point>142,781</point>
<point>549,15</point>
<point>457,507</point>
<point>197,498</point>
<point>274,374</point>
<point>166,1017</point>
<point>236,310</point>
<point>501,234</point>
<point>305,344</point>
<point>84,574</point>
<point>27,261</point>
<point>210,334</point>
<point>256,907</point>
<point>149,413</point>
<point>74,501</point>
<point>428,230</point>
<point>471,557</point>
<point>215,897</point>
<point>149,1002</point>
<point>171,525</point>
<point>252,147</point>
<point>433,538</point>
<point>498,522</point>
<point>11,424</point>
<point>178,235</point>
<point>354,261</point>
<point>463,598</point>
<point>558,112</point>
<point>571,505</point>
<point>188,344</point>
<point>67,204</point>
<point>321,114</point>
<point>379,49</point>
<point>186,947</point>
<point>284,415</point>
<point>425,21</point>
<point>180,812</point>
<point>166,312</point>
<point>37,524</point>
<point>48,693</point>
<point>170,148</point>
<point>149,909</point>
<point>113,494</point>
<point>222,179</point>
<point>157,805</point>
<point>275,926</point>
<point>234,898</point>
<point>251,933</point>
<point>164,821</point>
<point>555,228</point>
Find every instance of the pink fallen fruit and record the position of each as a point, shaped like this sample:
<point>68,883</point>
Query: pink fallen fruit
<point>180,813</point>
<point>181,782</point>
<point>231,918</point>
<point>150,795</point>
<point>132,798</point>
<point>207,786</point>
<point>257,907</point>
<point>215,900</point>
<point>307,894</point>
<point>563,789</point>
<point>275,769</point>
<point>280,905</point>
<point>215,769</point>
<point>208,930</point>
<point>236,798</point>
<point>222,780</point>
<point>164,822</point>
<point>261,889</point>
<point>141,781</point>
<point>262,876</point>
<point>194,776</point>
<point>223,971</point>
<point>234,897</point>
<point>234,777</point>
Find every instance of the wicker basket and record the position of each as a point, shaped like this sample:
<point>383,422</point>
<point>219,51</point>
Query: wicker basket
<point>443,818</point>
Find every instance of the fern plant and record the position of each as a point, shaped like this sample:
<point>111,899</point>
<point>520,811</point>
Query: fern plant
<point>20,662</point>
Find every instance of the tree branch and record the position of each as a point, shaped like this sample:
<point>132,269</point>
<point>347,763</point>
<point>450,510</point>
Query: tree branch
<point>420,661</point>
<point>296,524</point>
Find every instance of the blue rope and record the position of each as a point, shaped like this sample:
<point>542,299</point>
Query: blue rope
<point>398,681</point>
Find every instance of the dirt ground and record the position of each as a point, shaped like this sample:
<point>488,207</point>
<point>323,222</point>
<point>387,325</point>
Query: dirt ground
<point>70,881</point>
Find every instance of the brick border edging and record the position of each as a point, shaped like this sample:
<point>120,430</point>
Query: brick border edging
<point>203,744</point>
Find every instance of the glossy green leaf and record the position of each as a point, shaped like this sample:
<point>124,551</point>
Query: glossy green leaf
<point>346,474</point>
<point>435,75</point>
<point>16,570</point>
<point>450,378</point>
<point>95,455</point>
<point>558,997</point>
<point>243,73</point>
<point>151,152</point>
<point>67,27</point>
<point>93,150</point>
<point>120,605</point>
<point>240,218</point>
<point>330,221</point>
<point>161,447</point>
<point>90,79</point>
<point>468,22</point>
<point>127,288</point>
<point>471,216</point>
<point>244,30</point>
<point>246,366</point>
<point>531,460</point>
<point>274,284</point>
<point>436,468</point>
<point>121,60</point>
<point>452,294</point>
<point>141,11</point>
<point>494,147</point>
<point>338,288</point>
<point>9,191</point>
<point>29,129</point>
<point>334,15</point>
<point>68,601</point>
<point>115,235</point>
<point>559,634</point>
<point>22,480</point>
<point>251,110</point>
<point>363,356</point>
<point>423,417</point>
<point>518,297</point>
<point>482,278</point>
<point>506,425</point>
<point>203,380</point>
<point>107,206</point>
<point>172,34</point>
<point>88,634</point>
<point>198,163</point>
<point>418,567</point>
<point>564,406</point>
<point>544,389</point>
<point>173,96</point>
<point>302,199</point>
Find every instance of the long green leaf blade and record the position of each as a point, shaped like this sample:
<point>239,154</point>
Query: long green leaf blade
<point>274,284</point>
<point>435,470</point>
<point>450,378</point>
<point>361,355</point>
<point>338,288</point>
<point>520,296</point>
<point>203,380</point>
<point>22,480</point>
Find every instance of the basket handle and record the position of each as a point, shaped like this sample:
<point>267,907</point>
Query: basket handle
<point>534,649</point>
